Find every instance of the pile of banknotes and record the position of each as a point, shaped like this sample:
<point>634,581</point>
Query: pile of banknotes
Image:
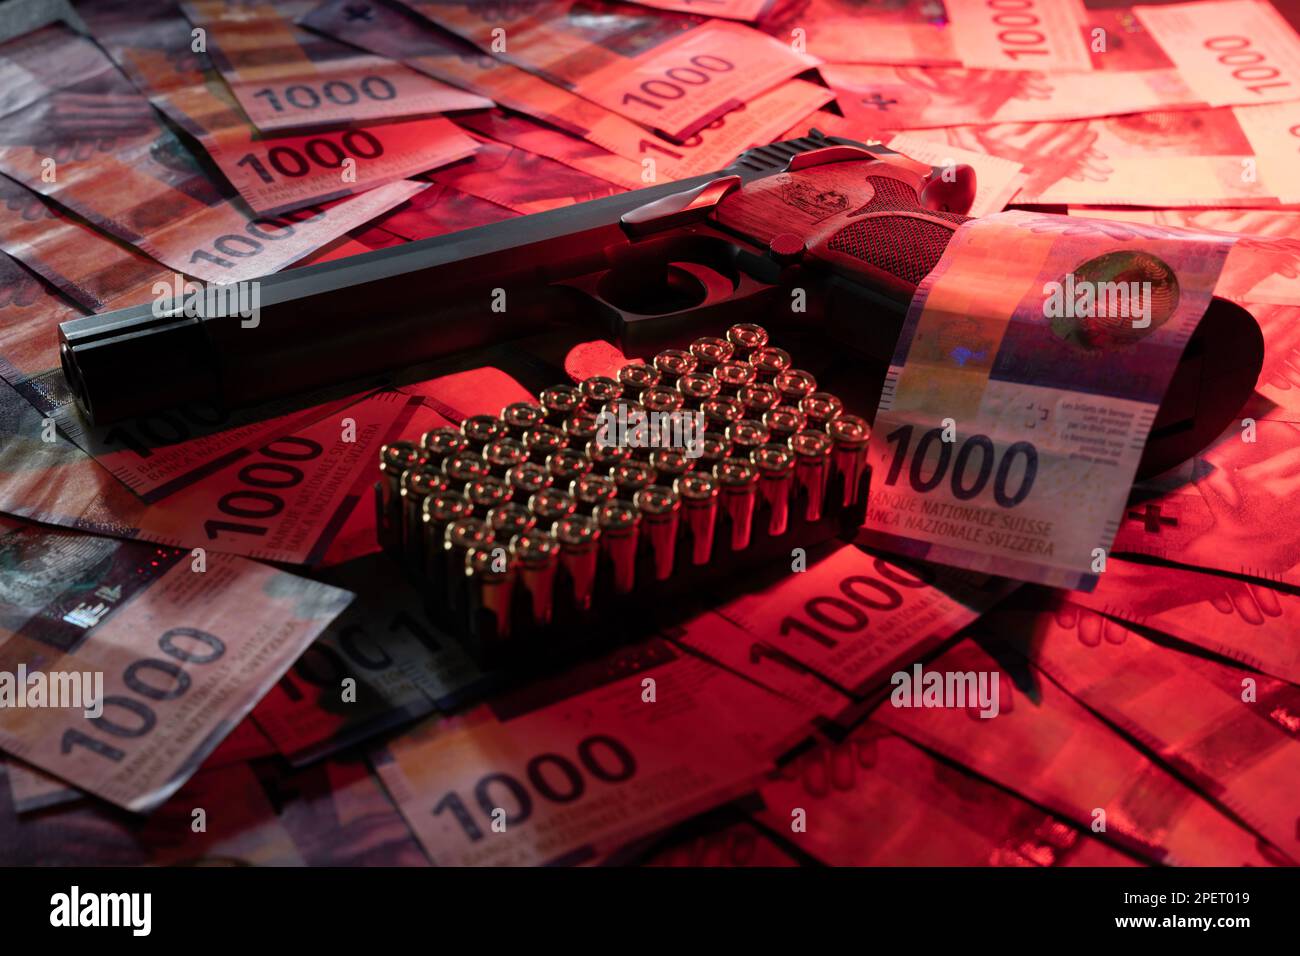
<point>206,658</point>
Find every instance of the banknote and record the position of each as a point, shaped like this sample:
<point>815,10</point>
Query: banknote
<point>1237,156</point>
<point>286,77</point>
<point>729,645</point>
<point>877,799</point>
<point>1048,748</point>
<point>151,42</point>
<point>128,662</point>
<point>399,664</point>
<point>338,814</point>
<point>1229,51</point>
<point>439,210</point>
<point>672,73</point>
<point>34,789</point>
<point>240,829</point>
<point>907,32</point>
<point>725,9</point>
<point>1229,509</point>
<point>1043,35</point>
<point>613,750</point>
<point>76,131</point>
<point>1231,732</point>
<point>902,97</point>
<point>282,500</point>
<point>417,42</point>
<point>519,180</point>
<point>853,617</point>
<point>1042,401</point>
<point>730,134</point>
<point>1248,622</point>
<point>92,269</point>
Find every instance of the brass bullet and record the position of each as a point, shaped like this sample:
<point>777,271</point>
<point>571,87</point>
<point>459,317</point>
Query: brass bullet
<point>486,493</point>
<point>590,491</point>
<point>543,441</point>
<point>537,557</point>
<point>509,519</point>
<point>812,450</point>
<point>558,402</point>
<point>820,408</point>
<point>698,387</point>
<point>746,338</point>
<point>521,416</point>
<point>579,540</point>
<point>660,509</point>
<point>795,385</point>
<point>526,479</point>
<point>503,454</point>
<point>738,487</point>
<point>775,464</point>
<point>734,375</point>
<point>850,435</point>
<point>698,492</point>
<point>619,524</point>
<point>441,443</point>
<point>490,584</point>
<point>636,377</point>
<point>783,422</point>
<point>481,429</point>
<point>769,362</point>
<point>672,364</point>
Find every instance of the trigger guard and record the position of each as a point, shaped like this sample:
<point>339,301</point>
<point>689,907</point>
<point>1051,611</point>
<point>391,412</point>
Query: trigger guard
<point>939,195</point>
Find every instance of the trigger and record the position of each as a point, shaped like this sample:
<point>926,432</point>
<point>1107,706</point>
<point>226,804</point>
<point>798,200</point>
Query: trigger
<point>955,194</point>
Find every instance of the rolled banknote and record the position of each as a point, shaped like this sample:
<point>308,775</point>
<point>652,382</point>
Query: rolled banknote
<point>1245,621</point>
<point>286,77</point>
<point>1231,732</point>
<point>381,663</point>
<point>1023,388</point>
<point>672,73</point>
<point>877,799</point>
<point>851,617</point>
<point>1048,748</point>
<point>77,131</point>
<point>124,664</point>
<point>568,770</point>
<point>154,45</point>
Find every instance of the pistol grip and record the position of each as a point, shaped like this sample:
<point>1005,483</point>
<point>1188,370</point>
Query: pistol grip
<point>864,221</point>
